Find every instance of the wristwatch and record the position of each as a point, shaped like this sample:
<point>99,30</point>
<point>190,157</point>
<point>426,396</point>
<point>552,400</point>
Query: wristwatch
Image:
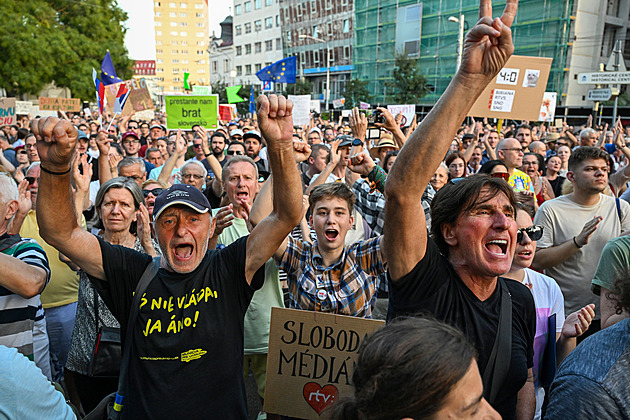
<point>357,142</point>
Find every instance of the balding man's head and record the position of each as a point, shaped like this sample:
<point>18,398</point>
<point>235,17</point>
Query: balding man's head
<point>510,152</point>
<point>537,147</point>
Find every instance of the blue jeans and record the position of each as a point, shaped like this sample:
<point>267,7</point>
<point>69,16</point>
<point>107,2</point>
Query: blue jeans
<point>59,324</point>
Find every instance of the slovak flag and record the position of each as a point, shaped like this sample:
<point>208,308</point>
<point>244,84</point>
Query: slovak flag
<point>100,91</point>
<point>121,98</point>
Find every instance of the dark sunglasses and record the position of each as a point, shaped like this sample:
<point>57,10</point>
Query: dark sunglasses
<point>234,152</point>
<point>196,146</point>
<point>31,179</point>
<point>533,232</point>
<point>154,191</point>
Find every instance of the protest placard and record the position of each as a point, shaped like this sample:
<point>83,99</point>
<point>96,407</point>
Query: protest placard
<point>201,90</point>
<point>301,109</point>
<point>227,112</point>
<point>23,107</point>
<point>139,97</point>
<point>38,113</point>
<point>311,360</point>
<point>7,111</point>
<point>186,111</point>
<point>316,106</point>
<point>338,103</point>
<point>548,107</point>
<point>517,91</point>
<point>56,104</point>
<point>408,111</point>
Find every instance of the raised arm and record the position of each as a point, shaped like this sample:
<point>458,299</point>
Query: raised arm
<point>276,125</point>
<point>487,47</point>
<point>180,150</point>
<point>56,140</point>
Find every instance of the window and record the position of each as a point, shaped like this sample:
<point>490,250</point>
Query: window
<point>183,5</point>
<point>200,43</point>
<point>268,2</point>
<point>183,34</point>
<point>175,51</point>
<point>159,51</point>
<point>239,50</point>
<point>176,87</point>
<point>175,61</point>
<point>159,61</point>
<point>215,67</point>
<point>172,5</point>
<point>200,71</point>
<point>346,26</point>
<point>238,29</point>
<point>158,33</point>
<point>257,4</point>
<point>248,28</point>
<point>313,7</point>
<point>199,34</point>
<point>158,23</point>
<point>278,44</point>
<point>238,9</point>
<point>175,71</point>
<point>328,4</point>
<point>184,42</point>
<point>160,70</point>
<point>174,42</point>
<point>201,52</point>
<point>184,51</point>
<point>346,52</point>
<point>158,42</point>
<point>184,61</point>
<point>248,69</point>
<point>248,48</point>
<point>269,45</point>
<point>173,23</point>
<point>158,14</point>
<point>268,23</point>
<point>226,65</point>
<point>258,47</point>
<point>298,10</point>
<point>175,79</point>
<point>183,23</point>
<point>315,31</point>
<point>199,15</point>
<point>173,14</point>
<point>198,5</point>
<point>288,38</point>
<point>316,57</point>
<point>277,20</point>
<point>199,24</point>
<point>257,68</point>
<point>248,6</point>
<point>239,70</point>
<point>258,25</point>
<point>183,14</point>
<point>174,33</point>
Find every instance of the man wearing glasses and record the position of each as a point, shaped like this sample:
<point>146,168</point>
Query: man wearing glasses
<point>131,145</point>
<point>236,148</point>
<point>511,153</point>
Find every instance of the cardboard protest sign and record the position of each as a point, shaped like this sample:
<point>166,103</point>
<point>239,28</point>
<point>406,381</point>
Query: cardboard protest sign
<point>23,107</point>
<point>408,111</point>
<point>139,97</point>
<point>311,360</point>
<point>186,111</point>
<point>64,104</point>
<point>301,109</point>
<point>517,91</point>
<point>7,111</point>
<point>548,107</point>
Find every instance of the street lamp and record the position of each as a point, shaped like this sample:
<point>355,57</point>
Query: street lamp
<point>460,37</point>
<point>327,64</point>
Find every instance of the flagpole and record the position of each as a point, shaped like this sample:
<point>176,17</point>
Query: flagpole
<point>112,121</point>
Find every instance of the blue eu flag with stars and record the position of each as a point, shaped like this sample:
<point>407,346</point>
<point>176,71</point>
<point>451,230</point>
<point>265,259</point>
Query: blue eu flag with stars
<point>108,74</point>
<point>282,71</point>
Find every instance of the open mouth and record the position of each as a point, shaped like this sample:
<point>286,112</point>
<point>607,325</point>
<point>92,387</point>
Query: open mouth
<point>525,253</point>
<point>183,251</point>
<point>331,234</point>
<point>497,246</point>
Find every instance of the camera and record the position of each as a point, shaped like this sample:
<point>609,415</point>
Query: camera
<point>376,117</point>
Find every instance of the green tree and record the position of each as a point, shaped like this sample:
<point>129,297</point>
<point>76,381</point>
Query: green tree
<point>218,88</point>
<point>408,84</point>
<point>57,40</point>
<point>356,91</point>
<point>298,88</point>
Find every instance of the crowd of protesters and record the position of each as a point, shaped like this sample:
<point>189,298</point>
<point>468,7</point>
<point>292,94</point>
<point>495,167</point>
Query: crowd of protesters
<point>508,241</point>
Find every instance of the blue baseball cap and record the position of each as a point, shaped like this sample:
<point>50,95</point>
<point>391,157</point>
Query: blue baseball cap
<point>181,194</point>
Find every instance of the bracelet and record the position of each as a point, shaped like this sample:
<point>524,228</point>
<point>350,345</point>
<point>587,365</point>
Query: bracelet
<point>52,172</point>
<point>576,244</point>
<point>207,154</point>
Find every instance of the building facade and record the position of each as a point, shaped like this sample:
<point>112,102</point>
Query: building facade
<point>314,30</point>
<point>143,68</point>
<point>181,37</point>
<point>221,51</point>
<point>257,38</point>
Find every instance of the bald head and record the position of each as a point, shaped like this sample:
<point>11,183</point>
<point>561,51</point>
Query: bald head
<point>537,147</point>
<point>510,152</point>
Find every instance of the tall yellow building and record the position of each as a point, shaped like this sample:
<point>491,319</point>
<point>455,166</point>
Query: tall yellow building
<point>181,41</point>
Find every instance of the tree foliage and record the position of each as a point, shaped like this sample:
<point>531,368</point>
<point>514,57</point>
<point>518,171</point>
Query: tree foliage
<point>298,88</point>
<point>408,84</point>
<point>355,92</point>
<point>60,40</point>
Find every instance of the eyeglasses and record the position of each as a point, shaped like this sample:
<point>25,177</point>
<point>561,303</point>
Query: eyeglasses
<point>154,191</point>
<point>133,127</point>
<point>533,232</point>
<point>134,177</point>
<point>234,152</point>
<point>131,141</point>
<point>28,146</point>
<point>196,146</point>
<point>514,149</point>
<point>504,175</point>
<point>531,163</point>
<point>190,176</point>
<point>31,179</point>
<point>237,137</point>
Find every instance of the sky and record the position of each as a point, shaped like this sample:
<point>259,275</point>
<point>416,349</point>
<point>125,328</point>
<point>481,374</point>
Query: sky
<point>140,37</point>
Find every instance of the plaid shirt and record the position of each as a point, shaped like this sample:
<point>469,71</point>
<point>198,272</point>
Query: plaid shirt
<point>347,287</point>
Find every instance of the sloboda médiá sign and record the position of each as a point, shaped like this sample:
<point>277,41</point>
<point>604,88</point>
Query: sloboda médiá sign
<point>186,111</point>
<point>311,359</point>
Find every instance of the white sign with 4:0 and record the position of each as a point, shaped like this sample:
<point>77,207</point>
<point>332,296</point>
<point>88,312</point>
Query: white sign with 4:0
<point>508,76</point>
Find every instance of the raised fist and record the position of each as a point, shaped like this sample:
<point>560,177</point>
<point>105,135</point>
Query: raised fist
<point>56,140</point>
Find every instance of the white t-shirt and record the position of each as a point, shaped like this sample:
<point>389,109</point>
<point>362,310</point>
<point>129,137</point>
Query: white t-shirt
<point>562,219</point>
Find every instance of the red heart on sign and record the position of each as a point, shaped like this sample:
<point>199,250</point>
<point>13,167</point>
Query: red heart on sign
<point>318,397</point>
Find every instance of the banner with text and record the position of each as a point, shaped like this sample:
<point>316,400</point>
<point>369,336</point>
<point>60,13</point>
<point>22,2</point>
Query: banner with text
<point>311,360</point>
<point>139,97</point>
<point>23,107</point>
<point>517,91</point>
<point>548,107</point>
<point>408,112</point>
<point>185,111</point>
<point>64,104</point>
<point>301,109</point>
<point>7,111</point>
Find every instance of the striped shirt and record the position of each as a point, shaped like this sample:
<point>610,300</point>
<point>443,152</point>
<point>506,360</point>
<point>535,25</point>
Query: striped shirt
<point>347,287</point>
<point>17,314</point>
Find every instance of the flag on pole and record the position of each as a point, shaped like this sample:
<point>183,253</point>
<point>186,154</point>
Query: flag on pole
<point>282,71</point>
<point>100,91</point>
<point>252,101</point>
<point>186,85</point>
<point>121,99</point>
<point>108,74</point>
<point>232,94</point>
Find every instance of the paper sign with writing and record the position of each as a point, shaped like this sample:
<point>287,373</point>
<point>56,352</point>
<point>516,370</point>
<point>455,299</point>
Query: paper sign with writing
<point>408,112</point>
<point>548,107</point>
<point>7,111</point>
<point>201,90</point>
<point>301,109</point>
<point>186,111</point>
<point>517,91</point>
<point>311,359</point>
<point>23,107</point>
<point>338,103</point>
<point>139,97</point>
<point>36,112</point>
<point>64,104</point>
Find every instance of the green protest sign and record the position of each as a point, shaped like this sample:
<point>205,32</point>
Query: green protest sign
<point>186,111</point>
